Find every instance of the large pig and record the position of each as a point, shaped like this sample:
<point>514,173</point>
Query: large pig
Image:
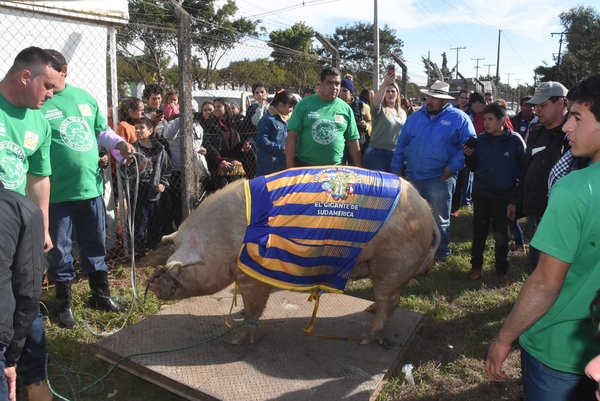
<point>207,245</point>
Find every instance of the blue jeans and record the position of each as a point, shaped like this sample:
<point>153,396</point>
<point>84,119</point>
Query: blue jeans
<point>32,363</point>
<point>515,228</point>
<point>467,194</point>
<point>85,219</point>
<point>378,159</point>
<point>439,195</point>
<point>542,383</point>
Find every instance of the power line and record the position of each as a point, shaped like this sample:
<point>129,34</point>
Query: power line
<point>457,48</point>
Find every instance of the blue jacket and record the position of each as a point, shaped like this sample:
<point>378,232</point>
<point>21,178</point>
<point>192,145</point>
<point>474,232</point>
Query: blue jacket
<point>497,163</point>
<point>428,144</point>
<point>270,142</point>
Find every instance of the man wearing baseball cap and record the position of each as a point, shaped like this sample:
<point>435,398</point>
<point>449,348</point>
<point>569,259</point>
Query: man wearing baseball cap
<point>546,143</point>
<point>430,149</point>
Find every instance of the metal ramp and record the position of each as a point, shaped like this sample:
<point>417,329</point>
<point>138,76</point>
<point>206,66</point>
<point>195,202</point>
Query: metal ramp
<point>283,364</point>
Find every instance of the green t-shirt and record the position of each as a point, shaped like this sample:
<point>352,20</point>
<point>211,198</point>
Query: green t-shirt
<point>75,120</point>
<point>24,145</point>
<point>323,129</point>
<point>563,338</point>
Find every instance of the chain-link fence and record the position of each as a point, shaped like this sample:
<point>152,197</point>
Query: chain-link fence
<point>224,68</point>
<point>83,44</point>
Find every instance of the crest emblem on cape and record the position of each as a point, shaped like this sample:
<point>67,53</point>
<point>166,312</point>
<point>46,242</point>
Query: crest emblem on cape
<point>338,182</point>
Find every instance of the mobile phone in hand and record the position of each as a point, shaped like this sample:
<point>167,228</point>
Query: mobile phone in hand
<point>471,143</point>
<point>391,69</point>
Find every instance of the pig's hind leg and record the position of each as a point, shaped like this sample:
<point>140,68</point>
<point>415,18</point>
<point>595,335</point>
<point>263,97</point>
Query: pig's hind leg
<point>387,284</point>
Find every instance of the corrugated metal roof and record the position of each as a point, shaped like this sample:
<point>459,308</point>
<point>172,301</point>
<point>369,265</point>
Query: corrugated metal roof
<point>115,11</point>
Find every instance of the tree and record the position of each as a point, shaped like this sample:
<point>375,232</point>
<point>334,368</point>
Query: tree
<point>215,31</point>
<point>582,55</point>
<point>433,70</point>
<point>145,43</point>
<point>247,72</point>
<point>355,43</point>
<point>294,53</point>
<point>446,72</point>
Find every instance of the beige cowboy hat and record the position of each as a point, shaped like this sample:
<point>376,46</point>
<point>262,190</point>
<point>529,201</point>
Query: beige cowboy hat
<point>438,89</point>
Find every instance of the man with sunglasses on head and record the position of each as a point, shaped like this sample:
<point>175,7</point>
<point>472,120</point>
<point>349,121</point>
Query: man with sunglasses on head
<point>546,143</point>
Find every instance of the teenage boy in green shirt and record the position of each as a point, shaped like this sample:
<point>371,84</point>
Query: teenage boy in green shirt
<point>551,317</point>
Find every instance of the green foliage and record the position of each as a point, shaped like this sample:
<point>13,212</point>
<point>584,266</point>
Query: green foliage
<point>146,42</point>
<point>287,43</point>
<point>215,31</point>
<point>355,43</point>
<point>582,55</point>
<point>294,54</point>
<point>247,72</point>
<point>432,67</point>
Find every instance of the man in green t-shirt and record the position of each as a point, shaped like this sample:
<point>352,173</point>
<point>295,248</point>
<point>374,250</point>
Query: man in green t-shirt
<point>321,125</point>
<point>24,168</point>
<point>551,317</point>
<point>76,204</point>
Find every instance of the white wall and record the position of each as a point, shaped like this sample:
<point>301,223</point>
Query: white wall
<point>84,45</point>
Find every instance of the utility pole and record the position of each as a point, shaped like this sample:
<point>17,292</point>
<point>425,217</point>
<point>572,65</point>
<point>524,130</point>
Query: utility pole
<point>498,58</point>
<point>376,47</point>
<point>518,95</point>
<point>477,67</point>
<point>457,48</point>
<point>512,93</point>
<point>559,51</point>
<point>488,66</point>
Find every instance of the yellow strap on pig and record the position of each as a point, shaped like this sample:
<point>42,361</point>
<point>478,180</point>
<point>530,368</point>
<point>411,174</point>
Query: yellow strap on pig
<point>233,304</point>
<point>314,296</point>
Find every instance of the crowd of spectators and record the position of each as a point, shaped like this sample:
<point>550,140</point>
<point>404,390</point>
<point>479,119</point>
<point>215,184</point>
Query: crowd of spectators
<point>454,150</point>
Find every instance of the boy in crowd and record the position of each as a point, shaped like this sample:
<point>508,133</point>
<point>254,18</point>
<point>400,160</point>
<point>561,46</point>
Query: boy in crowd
<point>256,110</point>
<point>551,316</point>
<point>155,170</point>
<point>496,158</point>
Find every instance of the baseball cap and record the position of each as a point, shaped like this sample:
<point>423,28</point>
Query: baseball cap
<point>546,90</point>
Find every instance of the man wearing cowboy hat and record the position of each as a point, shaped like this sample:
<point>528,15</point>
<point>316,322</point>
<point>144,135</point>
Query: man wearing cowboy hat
<point>429,150</point>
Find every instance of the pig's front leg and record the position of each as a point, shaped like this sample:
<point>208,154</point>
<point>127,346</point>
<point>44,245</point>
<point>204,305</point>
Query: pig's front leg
<point>255,295</point>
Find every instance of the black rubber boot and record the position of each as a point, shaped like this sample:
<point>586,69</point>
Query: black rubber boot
<point>100,298</point>
<point>62,306</point>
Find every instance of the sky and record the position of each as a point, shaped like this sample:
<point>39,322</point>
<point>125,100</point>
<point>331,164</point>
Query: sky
<point>437,26</point>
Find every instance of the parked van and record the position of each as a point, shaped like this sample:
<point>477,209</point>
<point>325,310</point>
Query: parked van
<point>241,98</point>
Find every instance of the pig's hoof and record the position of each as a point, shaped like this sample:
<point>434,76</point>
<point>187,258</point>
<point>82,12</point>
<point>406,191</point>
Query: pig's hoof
<point>367,339</point>
<point>244,335</point>
<point>378,336</point>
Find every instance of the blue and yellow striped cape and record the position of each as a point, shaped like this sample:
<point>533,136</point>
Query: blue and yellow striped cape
<point>307,226</point>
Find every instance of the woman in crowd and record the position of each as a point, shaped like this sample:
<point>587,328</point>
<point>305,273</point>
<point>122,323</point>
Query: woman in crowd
<point>227,156</point>
<point>272,134</point>
<point>206,113</point>
<point>406,106</point>
<point>388,120</point>
<point>131,109</point>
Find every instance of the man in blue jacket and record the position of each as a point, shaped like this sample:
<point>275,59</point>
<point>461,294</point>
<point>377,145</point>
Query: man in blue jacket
<point>430,151</point>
